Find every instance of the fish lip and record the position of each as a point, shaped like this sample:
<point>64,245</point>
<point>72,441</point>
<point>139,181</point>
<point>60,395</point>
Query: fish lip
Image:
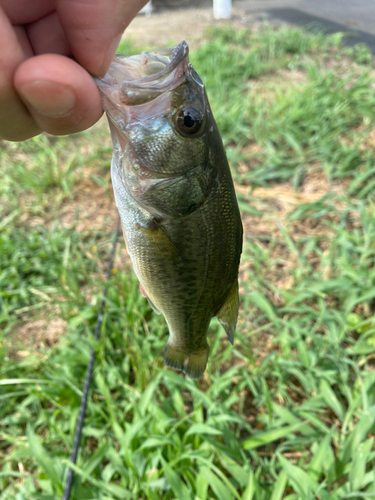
<point>178,53</point>
<point>116,84</point>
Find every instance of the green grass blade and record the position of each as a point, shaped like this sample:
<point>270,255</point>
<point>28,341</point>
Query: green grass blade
<point>267,437</point>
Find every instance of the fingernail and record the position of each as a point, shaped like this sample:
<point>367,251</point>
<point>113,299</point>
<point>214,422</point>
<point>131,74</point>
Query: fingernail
<point>49,98</point>
<point>110,54</point>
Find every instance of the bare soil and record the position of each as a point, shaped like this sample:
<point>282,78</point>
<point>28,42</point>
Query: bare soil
<point>167,28</point>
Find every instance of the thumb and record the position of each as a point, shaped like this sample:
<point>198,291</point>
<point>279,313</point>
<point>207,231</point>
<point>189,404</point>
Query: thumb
<point>94,28</point>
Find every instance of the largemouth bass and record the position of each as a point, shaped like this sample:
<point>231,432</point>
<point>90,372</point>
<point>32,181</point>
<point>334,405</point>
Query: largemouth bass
<point>175,195</point>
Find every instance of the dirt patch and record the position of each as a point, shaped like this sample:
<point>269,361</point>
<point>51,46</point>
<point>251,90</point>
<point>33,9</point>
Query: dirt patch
<point>277,201</point>
<point>269,230</point>
<point>169,28</point>
<point>93,207</point>
<point>166,29</point>
<point>34,333</point>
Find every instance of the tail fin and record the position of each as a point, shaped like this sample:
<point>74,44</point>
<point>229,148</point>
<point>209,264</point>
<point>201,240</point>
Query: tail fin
<point>191,363</point>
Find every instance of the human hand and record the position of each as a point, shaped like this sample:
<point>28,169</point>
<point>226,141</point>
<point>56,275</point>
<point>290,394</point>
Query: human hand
<point>42,88</point>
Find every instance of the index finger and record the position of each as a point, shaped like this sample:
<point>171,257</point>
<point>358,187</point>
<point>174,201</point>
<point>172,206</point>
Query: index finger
<point>94,29</point>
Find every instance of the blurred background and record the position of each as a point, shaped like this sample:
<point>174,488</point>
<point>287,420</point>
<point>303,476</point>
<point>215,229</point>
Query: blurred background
<point>288,412</point>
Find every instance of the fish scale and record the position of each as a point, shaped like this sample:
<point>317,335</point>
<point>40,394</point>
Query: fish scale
<point>176,199</point>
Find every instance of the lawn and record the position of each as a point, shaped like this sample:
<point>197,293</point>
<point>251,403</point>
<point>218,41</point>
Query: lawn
<point>288,412</point>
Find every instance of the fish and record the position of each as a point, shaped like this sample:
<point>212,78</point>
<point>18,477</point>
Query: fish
<point>174,192</point>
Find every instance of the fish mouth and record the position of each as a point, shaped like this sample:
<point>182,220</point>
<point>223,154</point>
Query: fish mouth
<point>135,80</point>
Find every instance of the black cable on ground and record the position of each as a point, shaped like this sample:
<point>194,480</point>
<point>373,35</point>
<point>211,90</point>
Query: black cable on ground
<point>82,409</point>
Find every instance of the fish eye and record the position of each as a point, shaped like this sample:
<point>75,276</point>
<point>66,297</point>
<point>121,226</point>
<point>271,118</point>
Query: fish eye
<point>188,121</point>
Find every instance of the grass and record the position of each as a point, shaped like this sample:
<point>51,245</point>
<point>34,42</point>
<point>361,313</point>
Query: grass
<point>289,411</point>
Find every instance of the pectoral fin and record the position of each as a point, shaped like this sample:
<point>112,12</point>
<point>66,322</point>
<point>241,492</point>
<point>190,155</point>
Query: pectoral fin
<point>144,294</point>
<point>228,313</point>
<point>153,306</point>
<point>160,242</point>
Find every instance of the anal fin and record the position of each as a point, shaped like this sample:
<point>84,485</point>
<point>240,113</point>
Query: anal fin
<point>228,312</point>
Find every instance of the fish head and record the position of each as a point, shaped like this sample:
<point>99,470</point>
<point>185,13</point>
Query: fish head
<point>159,117</point>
